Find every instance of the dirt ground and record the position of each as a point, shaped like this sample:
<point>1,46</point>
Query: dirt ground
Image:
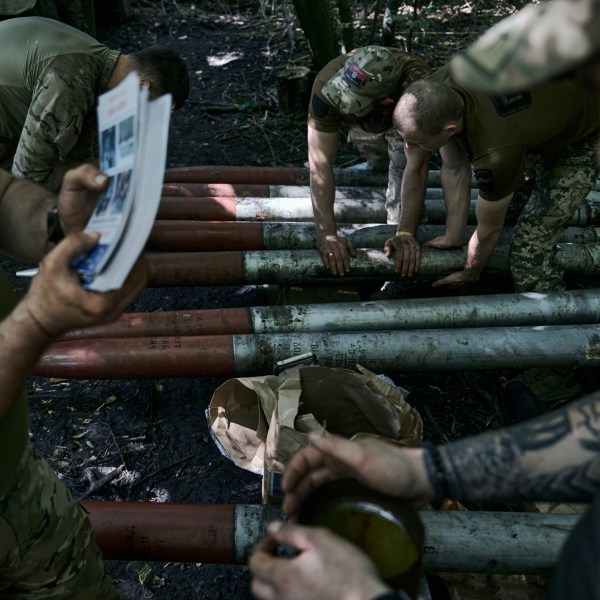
<point>157,428</point>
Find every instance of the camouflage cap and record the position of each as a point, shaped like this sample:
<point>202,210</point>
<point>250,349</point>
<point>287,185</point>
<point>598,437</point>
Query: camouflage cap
<point>371,73</point>
<point>531,46</point>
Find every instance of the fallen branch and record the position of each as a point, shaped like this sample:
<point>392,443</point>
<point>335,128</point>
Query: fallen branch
<point>100,483</point>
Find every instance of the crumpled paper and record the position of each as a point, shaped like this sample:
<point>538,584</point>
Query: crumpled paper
<point>261,422</point>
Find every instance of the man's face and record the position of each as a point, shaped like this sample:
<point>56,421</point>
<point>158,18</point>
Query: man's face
<point>431,143</point>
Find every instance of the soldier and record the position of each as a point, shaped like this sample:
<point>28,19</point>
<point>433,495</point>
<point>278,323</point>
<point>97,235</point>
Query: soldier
<point>48,93</point>
<point>47,547</point>
<point>362,88</point>
<point>550,129</point>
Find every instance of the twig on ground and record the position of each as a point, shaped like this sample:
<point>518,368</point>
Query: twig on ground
<point>100,483</point>
<point>156,471</point>
<point>116,444</point>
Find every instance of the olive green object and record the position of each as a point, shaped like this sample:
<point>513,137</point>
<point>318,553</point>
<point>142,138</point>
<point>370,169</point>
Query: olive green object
<point>388,530</point>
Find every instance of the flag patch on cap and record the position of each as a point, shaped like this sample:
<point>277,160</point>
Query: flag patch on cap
<point>355,75</point>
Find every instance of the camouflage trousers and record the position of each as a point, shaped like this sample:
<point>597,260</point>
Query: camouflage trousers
<point>562,181</point>
<point>47,546</point>
<point>382,151</point>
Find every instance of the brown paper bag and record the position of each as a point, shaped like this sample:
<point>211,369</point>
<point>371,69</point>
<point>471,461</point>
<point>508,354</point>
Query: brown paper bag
<point>261,422</point>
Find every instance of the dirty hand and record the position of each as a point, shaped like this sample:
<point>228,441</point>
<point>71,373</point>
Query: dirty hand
<point>384,467</point>
<point>458,279</point>
<point>443,242</point>
<point>408,254</point>
<point>327,567</point>
<point>78,196</point>
<point>334,251</point>
<point>56,300</point>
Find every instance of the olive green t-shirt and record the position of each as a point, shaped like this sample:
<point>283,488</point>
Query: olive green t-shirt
<point>323,117</point>
<point>500,131</point>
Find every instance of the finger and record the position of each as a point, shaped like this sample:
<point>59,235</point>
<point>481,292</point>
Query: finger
<point>334,446</point>
<point>302,462</point>
<point>330,260</point>
<point>266,546</point>
<point>87,175</point>
<point>314,479</point>
<point>398,262</point>
<point>406,268</point>
<point>440,282</point>
<point>411,260</point>
<point>351,248</point>
<point>415,258</point>
<point>261,589</point>
<point>291,534</point>
<point>311,470</point>
<point>340,268</point>
<point>70,248</point>
<point>345,263</point>
<point>263,564</point>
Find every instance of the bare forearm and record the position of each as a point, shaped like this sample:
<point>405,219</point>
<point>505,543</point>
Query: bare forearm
<point>490,221</point>
<point>456,185</point>
<point>555,458</point>
<point>480,250</point>
<point>322,191</point>
<point>22,342</point>
<point>412,198</point>
<point>322,148</point>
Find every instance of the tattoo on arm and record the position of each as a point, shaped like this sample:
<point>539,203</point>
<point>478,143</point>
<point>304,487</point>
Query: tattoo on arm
<point>555,457</point>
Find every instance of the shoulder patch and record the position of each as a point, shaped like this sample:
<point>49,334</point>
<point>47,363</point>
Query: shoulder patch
<point>509,104</point>
<point>320,107</point>
<point>485,180</point>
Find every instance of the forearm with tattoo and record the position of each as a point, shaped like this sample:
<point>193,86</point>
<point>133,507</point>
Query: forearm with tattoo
<point>555,457</point>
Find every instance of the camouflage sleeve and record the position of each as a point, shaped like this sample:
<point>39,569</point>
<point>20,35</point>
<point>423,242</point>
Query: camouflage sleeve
<point>321,115</point>
<point>55,119</point>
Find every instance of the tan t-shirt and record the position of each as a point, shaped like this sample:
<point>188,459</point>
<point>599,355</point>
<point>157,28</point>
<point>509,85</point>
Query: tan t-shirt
<point>500,131</point>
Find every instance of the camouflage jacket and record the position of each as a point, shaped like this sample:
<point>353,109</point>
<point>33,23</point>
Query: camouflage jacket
<point>50,77</point>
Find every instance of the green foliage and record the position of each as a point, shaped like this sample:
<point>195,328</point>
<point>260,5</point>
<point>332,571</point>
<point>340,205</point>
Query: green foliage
<point>413,21</point>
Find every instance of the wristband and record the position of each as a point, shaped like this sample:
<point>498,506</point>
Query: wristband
<point>54,232</point>
<point>435,473</point>
<point>404,232</point>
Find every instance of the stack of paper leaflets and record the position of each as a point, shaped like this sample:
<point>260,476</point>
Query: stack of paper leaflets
<point>133,134</point>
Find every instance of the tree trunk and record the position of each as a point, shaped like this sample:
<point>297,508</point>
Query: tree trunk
<point>389,22</point>
<point>346,24</point>
<point>317,23</point>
